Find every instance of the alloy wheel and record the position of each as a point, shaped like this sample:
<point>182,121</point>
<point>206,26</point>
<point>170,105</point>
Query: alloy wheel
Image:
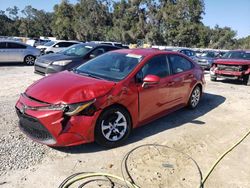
<point>29,60</point>
<point>195,98</point>
<point>114,127</point>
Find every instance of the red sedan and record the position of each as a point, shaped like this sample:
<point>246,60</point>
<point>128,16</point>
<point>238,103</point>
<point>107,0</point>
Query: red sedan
<point>105,98</point>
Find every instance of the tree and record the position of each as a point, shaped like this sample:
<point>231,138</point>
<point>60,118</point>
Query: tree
<point>35,22</point>
<point>222,38</point>
<point>243,43</point>
<point>5,23</point>
<point>91,20</point>
<point>63,19</point>
<point>14,22</point>
<point>129,21</point>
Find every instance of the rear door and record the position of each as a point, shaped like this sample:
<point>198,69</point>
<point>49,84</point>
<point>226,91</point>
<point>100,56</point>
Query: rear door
<point>15,52</point>
<point>3,53</point>
<point>182,78</point>
<point>154,99</point>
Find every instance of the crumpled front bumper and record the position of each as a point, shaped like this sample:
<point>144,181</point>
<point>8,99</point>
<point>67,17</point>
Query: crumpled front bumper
<point>51,127</point>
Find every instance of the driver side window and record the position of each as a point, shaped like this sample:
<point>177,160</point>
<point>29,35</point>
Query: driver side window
<point>97,52</point>
<point>156,66</point>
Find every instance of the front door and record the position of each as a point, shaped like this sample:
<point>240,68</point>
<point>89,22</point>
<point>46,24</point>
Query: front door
<point>154,99</point>
<point>15,52</point>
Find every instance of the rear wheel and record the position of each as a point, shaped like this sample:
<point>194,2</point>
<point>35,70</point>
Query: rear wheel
<point>112,127</point>
<point>29,60</point>
<point>194,98</point>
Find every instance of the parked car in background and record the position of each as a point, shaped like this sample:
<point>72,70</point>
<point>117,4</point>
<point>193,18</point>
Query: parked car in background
<point>55,46</point>
<point>206,59</point>
<point>70,57</point>
<point>12,51</point>
<point>232,65</point>
<point>105,98</point>
<point>190,53</point>
<point>37,42</point>
<point>117,44</point>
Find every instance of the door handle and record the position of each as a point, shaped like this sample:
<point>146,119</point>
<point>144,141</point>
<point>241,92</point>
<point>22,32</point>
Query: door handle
<point>190,76</point>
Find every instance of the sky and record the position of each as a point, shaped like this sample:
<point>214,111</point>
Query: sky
<point>232,13</point>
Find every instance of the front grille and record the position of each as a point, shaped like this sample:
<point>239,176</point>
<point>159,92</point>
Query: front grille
<point>229,67</point>
<point>34,129</point>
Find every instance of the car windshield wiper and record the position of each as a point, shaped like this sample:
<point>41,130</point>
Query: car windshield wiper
<point>88,74</point>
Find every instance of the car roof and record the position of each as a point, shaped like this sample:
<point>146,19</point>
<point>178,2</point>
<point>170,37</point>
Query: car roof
<point>146,51</point>
<point>13,42</point>
<point>92,44</point>
<point>67,41</point>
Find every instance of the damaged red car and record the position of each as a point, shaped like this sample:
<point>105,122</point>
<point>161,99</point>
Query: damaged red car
<point>105,98</point>
<point>233,65</point>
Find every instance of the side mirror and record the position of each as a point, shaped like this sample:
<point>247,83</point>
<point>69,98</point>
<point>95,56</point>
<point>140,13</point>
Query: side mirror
<point>150,80</point>
<point>57,46</point>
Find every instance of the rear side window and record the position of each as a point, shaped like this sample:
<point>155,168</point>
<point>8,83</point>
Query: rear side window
<point>179,64</point>
<point>157,66</point>
<point>15,46</point>
<point>3,45</point>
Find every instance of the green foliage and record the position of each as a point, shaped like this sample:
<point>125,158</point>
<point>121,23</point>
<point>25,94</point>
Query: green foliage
<point>62,25</point>
<point>158,22</point>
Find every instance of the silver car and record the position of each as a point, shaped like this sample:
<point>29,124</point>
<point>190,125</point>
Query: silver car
<point>12,51</point>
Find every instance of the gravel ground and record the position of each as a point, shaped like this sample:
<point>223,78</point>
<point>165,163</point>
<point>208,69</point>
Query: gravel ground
<point>16,150</point>
<point>221,119</point>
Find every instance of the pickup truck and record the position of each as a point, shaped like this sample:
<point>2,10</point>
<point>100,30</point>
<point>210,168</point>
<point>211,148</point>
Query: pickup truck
<point>233,65</point>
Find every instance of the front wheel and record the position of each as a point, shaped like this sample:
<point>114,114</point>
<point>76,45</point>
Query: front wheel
<point>112,127</point>
<point>194,98</point>
<point>213,78</point>
<point>246,80</point>
<point>29,60</point>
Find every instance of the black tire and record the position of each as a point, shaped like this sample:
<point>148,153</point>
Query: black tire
<point>194,98</point>
<point>246,80</point>
<point>29,60</point>
<point>213,78</point>
<point>107,133</point>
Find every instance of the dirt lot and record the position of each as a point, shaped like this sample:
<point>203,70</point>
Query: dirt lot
<point>220,120</point>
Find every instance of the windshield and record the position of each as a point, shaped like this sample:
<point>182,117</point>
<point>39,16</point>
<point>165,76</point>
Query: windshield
<point>236,55</point>
<point>76,50</point>
<point>208,54</point>
<point>50,43</point>
<point>111,66</point>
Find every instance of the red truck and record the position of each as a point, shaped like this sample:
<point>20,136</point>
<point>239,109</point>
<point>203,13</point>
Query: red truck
<point>233,65</point>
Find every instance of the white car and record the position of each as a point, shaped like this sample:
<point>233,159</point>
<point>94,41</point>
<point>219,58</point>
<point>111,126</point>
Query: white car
<point>12,51</point>
<point>55,46</point>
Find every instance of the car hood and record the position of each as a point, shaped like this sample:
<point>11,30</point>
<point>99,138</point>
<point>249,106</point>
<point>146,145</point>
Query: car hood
<point>67,87</point>
<point>232,61</point>
<point>57,57</point>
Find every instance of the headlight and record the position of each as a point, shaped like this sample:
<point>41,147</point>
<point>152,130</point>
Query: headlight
<point>62,63</point>
<point>86,108</point>
<point>58,107</point>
